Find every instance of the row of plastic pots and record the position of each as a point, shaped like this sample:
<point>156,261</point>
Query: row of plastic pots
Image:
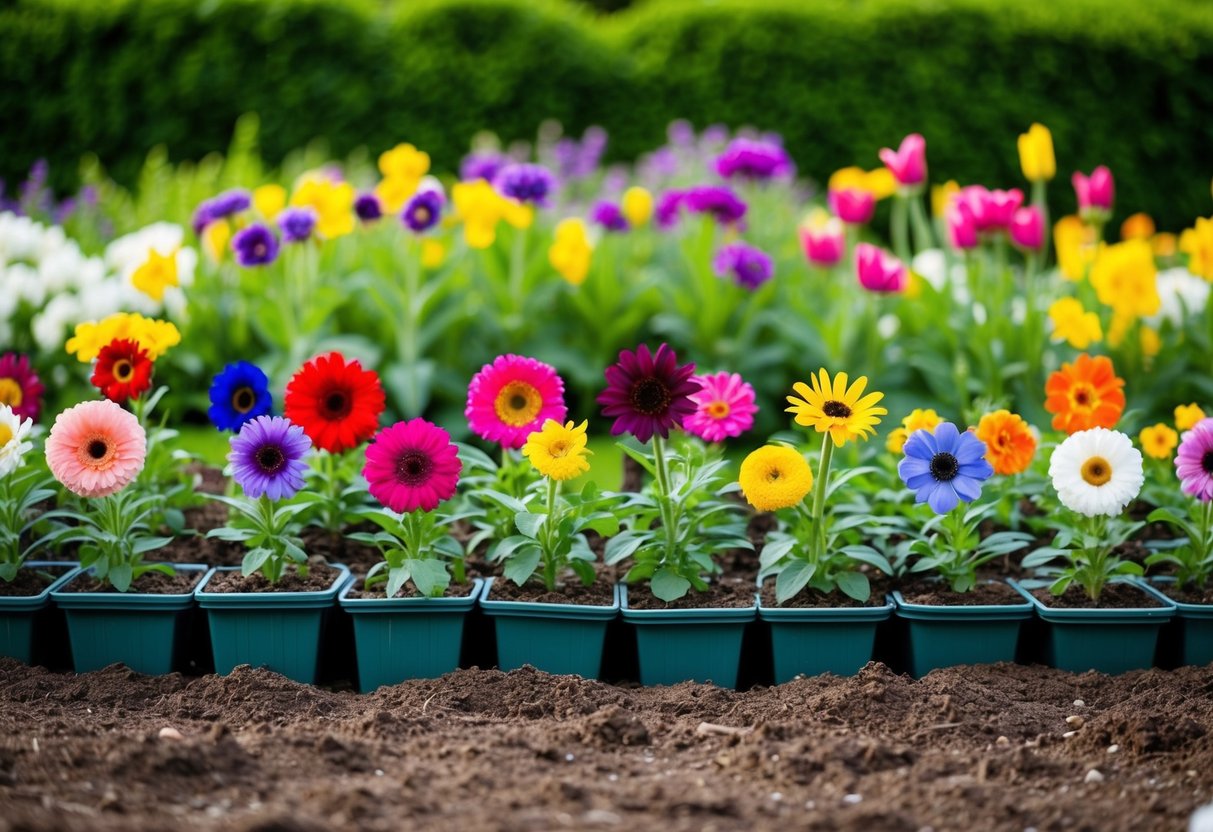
<point>404,638</point>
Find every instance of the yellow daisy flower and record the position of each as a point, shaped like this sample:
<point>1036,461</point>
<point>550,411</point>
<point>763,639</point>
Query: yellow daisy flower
<point>1158,441</point>
<point>558,451</point>
<point>1187,415</point>
<point>834,407</point>
<point>775,477</point>
<point>156,274</point>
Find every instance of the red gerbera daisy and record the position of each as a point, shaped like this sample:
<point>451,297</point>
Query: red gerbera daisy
<point>337,404</point>
<point>123,371</point>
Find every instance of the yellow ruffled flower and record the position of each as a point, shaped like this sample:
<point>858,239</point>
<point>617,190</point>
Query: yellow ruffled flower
<point>775,477</point>
<point>558,451</point>
<point>480,209</point>
<point>393,193</point>
<point>1187,416</point>
<point>155,337</point>
<point>433,254</point>
<point>1125,278</point>
<point>1074,325</point>
<point>1036,154</point>
<point>404,162</point>
<point>637,206</point>
<point>269,200</point>
<point>835,407</point>
<point>1197,243</point>
<point>1118,327</point>
<point>895,442</point>
<point>215,239</point>
<point>1158,441</point>
<point>156,274</point>
<point>941,195</point>
<point>571,253</point>
<point>1076,246</point>
<point>918,419</point>
<point>880,182</point>
<point>332,201</point>
<point>1139,226</point>
<point>515,213</point>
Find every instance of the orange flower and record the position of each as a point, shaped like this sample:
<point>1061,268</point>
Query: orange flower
<point>1086,394</point>
<point>1010,442</point>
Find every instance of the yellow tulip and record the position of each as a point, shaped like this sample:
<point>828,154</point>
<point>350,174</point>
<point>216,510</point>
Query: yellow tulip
<point>1076,246</point>
<point>571,252</point>
<point>1073,324</point>
<point>1125,278</point>
<point>941,195</point>
<point>215,238</point>
<point>1036,154</point>
<point>637,206</point>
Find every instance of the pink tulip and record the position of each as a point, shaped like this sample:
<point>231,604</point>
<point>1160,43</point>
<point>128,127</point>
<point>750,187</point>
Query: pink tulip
<point>823,244</point>
<point>962,225</point>
<point>908,163</point>
<point>879,271</point>
<point>1028,228</point>
<point>852,205</point>
<point>1001,207</point>
<point>1095,192</point>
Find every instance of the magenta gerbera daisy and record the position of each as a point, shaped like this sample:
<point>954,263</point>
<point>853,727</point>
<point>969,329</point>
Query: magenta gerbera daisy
<point>724,407</point>
<point>1194,461</point>
<point>511,398</point>
<point>20,388</point>
<point>648,393</point>
<point>412,465</point>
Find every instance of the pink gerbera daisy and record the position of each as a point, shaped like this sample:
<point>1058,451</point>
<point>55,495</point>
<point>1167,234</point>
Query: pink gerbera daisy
<point>511,398</point>
<point>20,388</point>
<point>412,465</point>
<point>724,407</point>
<point>96,448</point>
<point>1194,461</point>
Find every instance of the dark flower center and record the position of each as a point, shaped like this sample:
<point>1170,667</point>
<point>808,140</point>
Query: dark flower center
<point>97,449</point>
<point>337,405</point>
<point>123,370</point>
<point>944,467</point>
<point>243,400</point>
<point>413,468</point>
<point>518,402</point>
<point>836,410</point>
<point>270,459</point>
<point>1206,462</point>
<point>650,396</point>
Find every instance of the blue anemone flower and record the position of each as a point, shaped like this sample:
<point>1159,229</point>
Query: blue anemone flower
<point>240,393</point>
<point>944,467</point>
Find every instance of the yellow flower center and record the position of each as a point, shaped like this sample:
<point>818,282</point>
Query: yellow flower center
<point>518,404</point>
<point>1096,471</point>
<point>717,409</point>
<point>10,393</point>
<point>558,449</point>
<point>243,400</point>
<point>123,371</point>
<point>6,435</point>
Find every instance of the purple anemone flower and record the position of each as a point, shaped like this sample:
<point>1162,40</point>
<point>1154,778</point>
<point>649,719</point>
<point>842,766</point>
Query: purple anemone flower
<point>297,224</point>
<point>423,210</point>
<point>219,207</point>
<point>749,267</point>
<point>482,165</point>
<point>717,200</point>
<point>367,207</point>
<point>944,467</point>
<point>754,159</point>
<point>525,183</point>
<point>267,457</point>
<point>668,206</point>
<point>1194,461</point>
<point>255,245</point>
<point>608,215</point>
<point>648,393</point>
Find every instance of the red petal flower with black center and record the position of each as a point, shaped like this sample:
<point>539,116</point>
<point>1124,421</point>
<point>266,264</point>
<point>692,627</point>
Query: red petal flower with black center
<point>336,403</point>
<point>123,370</point>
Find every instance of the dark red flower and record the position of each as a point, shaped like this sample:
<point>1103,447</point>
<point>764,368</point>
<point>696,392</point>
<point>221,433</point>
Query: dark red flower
<point>123,371</point>
<point>648,393</point>
<point>337,404</point>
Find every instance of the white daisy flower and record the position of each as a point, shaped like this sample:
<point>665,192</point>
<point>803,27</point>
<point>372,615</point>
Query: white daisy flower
<point>13,432</point>
<point>1096,472</point>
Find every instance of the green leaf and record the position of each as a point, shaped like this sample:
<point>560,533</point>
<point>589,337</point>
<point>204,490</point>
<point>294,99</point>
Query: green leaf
<point>254,559</point>
<point>791,580</point>
<point>585,571</point>
<point>120,576</point>
<point>639,457</point>
<point>149,544</point>
<point>506,548</point>
<point>430,576</point>
<point>522,565</point>
<point>668,585</point>
<point>854,585</point>
<point>623,545</point>
<point>529,524</point>
<point>773,552</point>
<point>8,571</point>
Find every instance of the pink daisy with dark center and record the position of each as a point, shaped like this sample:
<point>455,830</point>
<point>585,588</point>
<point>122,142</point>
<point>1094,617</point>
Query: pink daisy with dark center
<point>412,465</point>
<point>648,393</point>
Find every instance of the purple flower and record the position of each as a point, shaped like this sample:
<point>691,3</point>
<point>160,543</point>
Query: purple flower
<point>481,165</point>
<point>220,206</point>
<point>1194,461</point>
<point>608,215</point>
<point>681,133</point>
<point>255,245</point>
<point>297,224</point>
<point>423,210</point>
<point>668,206</point>
<point>944,466</point>
<point>648,393</point>
<point>525,183</point>
<point>367,207</point>
<point>717,200</point>
<point>267,457</point>
<point>754,159</point>
<point>749,267</point>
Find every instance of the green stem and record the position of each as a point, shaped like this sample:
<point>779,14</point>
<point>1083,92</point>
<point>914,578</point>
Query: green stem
<point>549,533</point>
<point>817,541</point>
<point>900,228</point>
<point>332,490</point>
<point>1041,201</point>
<point>664,499</point>
<point>924,237</point>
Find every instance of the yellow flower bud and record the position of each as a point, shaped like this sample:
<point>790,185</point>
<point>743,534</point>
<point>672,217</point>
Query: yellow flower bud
<point>637,206</point>
<point>1036,154</point>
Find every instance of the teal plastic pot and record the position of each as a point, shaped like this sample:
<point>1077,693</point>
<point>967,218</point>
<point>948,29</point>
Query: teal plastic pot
<point>815,640</point>
<point>1195,626</point>
<point>276,630</point>
<point>19,614</point>
<point>406,638</point>
<point>137,629</point>
<point>699,645</point>
<point>565,639</point>
<point>1107,640</point>
<point>946,636</point>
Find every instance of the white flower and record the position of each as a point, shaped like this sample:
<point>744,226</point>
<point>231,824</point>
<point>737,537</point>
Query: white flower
<point>1183,295</point>
<point>1096,472</point>
<point>13,432</point>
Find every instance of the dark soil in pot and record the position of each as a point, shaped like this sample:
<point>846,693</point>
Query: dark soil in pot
<point>810,598</point>
<point>1187,595</point>
<point>936,594</point>
<point>31,581</point>
<point>407,591</point>
<point>1114,596</point>
<point>724,592</point>
<point>524,750</point>
<point>319,578</point>
<point>601,593</point>
<point>149,583</point>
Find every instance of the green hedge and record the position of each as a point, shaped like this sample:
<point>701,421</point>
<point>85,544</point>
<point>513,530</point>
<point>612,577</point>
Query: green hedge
<point>1125,84</point>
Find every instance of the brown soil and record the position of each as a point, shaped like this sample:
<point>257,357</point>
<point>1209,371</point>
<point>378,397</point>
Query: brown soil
<point>407,591</point>
<point>601,593</point>
<point>809,598</point>
<point>149,583</point>
<point>936,594</point>
<point>31,581</point>
<point>1187,595</point>
<point>319,578</point>
<point>724,592</point>
<point>1116,596</point>
<point>198,548</point>
<point>972,748</point>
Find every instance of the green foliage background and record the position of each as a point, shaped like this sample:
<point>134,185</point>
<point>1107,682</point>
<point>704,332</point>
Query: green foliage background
<point>1121,83</point>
